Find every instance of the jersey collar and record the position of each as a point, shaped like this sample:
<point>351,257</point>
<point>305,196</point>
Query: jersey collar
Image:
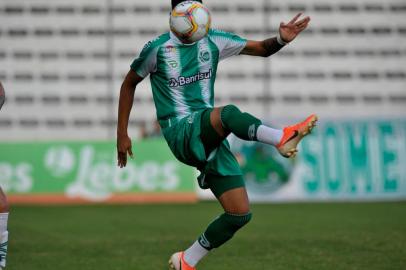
<point>177,41</point>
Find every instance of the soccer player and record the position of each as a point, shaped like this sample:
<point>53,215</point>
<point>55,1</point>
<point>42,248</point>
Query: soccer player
<point>182,78</point>
<point>4,209</point>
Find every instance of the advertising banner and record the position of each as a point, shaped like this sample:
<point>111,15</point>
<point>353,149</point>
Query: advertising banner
<point>349,160</point>
<point>59,172</point>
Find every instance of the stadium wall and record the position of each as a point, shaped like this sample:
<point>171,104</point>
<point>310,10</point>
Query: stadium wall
<point>62,64</point>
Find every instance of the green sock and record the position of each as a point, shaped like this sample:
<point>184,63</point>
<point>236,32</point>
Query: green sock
<point>243,125</point>
<point>222,229</point>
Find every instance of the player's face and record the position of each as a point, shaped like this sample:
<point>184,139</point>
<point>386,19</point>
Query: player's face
<point>185,41</point>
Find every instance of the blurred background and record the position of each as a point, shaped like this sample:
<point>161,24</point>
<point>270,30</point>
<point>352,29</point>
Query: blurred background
<point>62,64</point>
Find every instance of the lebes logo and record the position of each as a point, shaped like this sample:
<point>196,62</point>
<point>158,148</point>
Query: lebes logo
<point>59,161</point>
<point>16,177</point>
<point>97,177</point>
<point>87,170</point>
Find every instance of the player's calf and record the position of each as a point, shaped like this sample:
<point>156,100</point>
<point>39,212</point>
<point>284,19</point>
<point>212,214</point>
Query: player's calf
<point>241,124</point>
<point>247,127</point>
<point>234,199</point>
<point>223,229</point>
<point>219,231</point>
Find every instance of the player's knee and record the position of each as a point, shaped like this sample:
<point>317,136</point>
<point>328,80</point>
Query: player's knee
<point>239,209</point>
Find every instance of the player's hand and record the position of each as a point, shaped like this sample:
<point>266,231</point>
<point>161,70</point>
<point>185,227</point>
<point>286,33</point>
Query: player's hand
<point>124,147</point>
<point>289,31</point>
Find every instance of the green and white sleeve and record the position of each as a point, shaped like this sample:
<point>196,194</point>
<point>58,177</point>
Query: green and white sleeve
<point>146,62</point>
<point>229,44</point>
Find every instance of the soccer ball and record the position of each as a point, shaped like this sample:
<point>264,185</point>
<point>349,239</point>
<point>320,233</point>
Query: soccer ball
<point>190,21</point>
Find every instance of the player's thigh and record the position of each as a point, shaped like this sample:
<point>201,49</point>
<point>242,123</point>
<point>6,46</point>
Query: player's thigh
<point>209,135</point>
<point>215,120</point>
<point>235,201</point>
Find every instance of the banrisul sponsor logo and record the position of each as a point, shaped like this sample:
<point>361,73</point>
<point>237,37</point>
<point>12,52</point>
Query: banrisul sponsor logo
<point>182,80</point>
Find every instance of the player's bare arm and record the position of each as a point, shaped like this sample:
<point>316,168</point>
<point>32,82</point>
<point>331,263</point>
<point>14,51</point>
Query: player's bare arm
<point>124,108</point>
<point>287,33</point>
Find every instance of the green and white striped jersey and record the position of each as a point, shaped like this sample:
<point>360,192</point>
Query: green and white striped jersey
<point>183,75</point>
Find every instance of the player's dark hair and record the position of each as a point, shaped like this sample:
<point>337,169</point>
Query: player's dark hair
<point>176,2</point>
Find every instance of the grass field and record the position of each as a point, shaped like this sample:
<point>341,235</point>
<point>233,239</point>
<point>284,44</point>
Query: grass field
<point>141,237</point>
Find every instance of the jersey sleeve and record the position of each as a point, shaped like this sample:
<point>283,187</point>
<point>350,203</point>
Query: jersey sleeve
<point>229,44</point>
<point>146,61</point>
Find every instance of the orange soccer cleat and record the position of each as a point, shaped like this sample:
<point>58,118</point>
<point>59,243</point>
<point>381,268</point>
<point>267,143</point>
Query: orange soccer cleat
<point>292,135</point>
<point>177,262</point>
